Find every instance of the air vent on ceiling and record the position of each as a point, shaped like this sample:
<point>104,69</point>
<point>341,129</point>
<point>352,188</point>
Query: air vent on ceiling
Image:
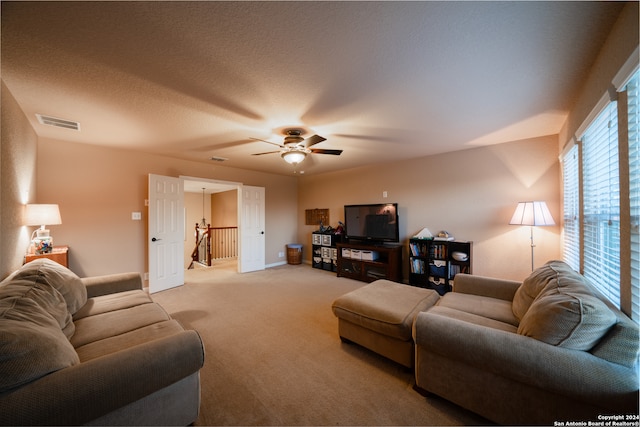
<point>218,159</point>
<point>61,123</point>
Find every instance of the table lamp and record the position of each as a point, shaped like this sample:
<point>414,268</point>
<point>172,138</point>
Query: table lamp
<point>532,213</point>
<point>42,215</point>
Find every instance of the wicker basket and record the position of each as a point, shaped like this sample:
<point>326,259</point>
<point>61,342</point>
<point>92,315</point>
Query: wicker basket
<point>294,254</point>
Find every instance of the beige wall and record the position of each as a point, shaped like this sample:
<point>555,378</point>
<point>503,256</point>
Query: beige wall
<point>97,189</point>
<point>17,181</point>
<point>472,194</point>
<point>224,209</point>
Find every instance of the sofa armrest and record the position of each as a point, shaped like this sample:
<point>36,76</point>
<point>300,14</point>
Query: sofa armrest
<point>112,283</point>
<point>526,360</point>
<point>91,389</point>
<point>485,286</point>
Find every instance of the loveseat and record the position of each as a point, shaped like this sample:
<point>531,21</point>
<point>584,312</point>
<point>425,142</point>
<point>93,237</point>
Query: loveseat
<point>549,349</point>
<point>94,350</point>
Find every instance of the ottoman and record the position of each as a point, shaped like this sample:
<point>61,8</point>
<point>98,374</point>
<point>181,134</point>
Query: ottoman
<point>379,316</point>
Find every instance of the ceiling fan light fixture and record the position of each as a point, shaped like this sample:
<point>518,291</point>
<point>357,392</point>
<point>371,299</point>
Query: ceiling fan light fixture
<point>294,157</point>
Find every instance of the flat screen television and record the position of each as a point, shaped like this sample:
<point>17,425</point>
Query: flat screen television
<point>373,223</point>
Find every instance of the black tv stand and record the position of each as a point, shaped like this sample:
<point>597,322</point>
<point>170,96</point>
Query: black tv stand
<point>368,262</point>
<point>371,242</point>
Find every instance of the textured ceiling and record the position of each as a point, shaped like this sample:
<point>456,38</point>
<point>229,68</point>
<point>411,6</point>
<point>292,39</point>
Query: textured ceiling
<point>380,80</point>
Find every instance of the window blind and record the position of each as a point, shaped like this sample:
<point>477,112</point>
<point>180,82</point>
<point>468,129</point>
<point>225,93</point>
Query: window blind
<point>601,204</point>
<point>571,208</point>
<point>633,108</point>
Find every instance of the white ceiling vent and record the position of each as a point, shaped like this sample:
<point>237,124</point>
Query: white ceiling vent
<point>61,123</point>
<point>218,159</point>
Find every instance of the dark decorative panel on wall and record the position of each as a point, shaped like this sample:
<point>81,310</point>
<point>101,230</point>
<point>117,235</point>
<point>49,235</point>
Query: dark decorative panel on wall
<point>315,216</point>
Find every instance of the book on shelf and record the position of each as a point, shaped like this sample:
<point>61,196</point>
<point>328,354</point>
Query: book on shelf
<point>455,269</point>
<point>413,247</point>
<point>417,249</point>
<point>438,251</point>
<point>417,266</point>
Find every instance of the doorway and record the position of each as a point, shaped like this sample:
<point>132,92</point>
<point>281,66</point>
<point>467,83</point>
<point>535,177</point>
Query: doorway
<point>250,217</point>
<point>214,203</point>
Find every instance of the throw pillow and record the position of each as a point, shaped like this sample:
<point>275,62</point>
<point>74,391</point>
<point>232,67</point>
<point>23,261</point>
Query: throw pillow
<point>61,278</point>
<point>531,288</point>
<point>566,313</point>
<point>32,289</point>
<point>32,344</point>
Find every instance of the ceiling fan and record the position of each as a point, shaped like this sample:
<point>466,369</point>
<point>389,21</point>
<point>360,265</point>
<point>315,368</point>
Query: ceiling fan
<point>295,147</point>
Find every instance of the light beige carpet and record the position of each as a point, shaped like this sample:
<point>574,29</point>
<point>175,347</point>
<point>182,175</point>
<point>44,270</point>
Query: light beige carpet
<point>273,355</point>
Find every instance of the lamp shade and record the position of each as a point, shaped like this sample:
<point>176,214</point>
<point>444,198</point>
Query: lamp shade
<point>42,215</point>
<point>294,156</point>
<point>532,213</point>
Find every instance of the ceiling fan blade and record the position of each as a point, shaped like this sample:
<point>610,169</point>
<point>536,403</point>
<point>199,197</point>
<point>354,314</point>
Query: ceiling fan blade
<point>268,142</point>
<point>313,140</point>
<point>325,151</point>
<point>268,152</point>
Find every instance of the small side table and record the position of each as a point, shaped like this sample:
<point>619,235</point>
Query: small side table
<point>59,254</point>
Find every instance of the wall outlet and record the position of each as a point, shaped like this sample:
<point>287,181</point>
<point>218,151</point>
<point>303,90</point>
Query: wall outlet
<point>280,254</point>
<point>384,194</point>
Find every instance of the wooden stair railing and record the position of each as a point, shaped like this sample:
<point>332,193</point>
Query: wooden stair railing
<point>203,235</point>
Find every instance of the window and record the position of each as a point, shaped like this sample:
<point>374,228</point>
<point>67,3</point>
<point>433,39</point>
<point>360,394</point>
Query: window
<point>571,208</point>
<point>601,203</point>
<point>598,239</point>
<point>633,112</point>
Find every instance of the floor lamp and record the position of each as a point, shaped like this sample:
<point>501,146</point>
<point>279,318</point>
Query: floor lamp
<point>531,214</point>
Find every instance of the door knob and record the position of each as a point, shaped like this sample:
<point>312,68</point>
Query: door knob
<point>262,232</point>
<point>154,239</point>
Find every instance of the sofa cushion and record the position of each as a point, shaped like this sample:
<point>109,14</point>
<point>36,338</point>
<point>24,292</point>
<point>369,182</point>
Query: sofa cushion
<point>61,278</point>
<point>112,302</point>
<point>491,308</point>
<point>32,343</point>
<point>101,326</point>
<point>128,339</point>
<point>472,318</point>
<point>565,313</point>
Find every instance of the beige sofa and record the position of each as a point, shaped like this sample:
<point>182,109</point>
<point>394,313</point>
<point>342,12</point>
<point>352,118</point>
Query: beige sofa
<point>92,351</point>
<point>549,349</point>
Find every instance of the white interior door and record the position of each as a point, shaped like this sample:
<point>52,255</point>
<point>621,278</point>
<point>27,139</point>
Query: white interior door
<point>166,232</point>
<point>252,237</point>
